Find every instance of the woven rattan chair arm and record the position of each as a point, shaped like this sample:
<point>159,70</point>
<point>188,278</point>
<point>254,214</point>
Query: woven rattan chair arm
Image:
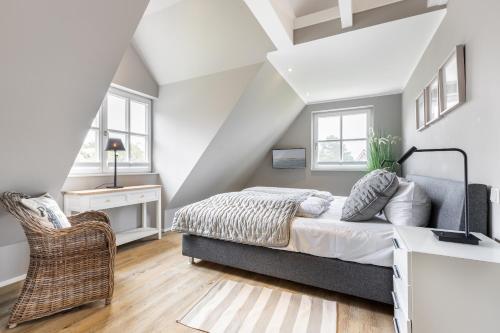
<point>85,229</point>
<point>87,217</point>
<point>86,237</point>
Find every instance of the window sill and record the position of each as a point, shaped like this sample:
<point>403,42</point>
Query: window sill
<point>356,168</point>
<point>86,175</point>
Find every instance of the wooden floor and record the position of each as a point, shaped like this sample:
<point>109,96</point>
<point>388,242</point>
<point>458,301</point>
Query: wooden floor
<point>155,284</point>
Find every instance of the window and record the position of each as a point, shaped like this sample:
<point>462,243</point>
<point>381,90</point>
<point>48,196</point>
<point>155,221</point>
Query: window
<point>122,115</point>
<point>340,139</point>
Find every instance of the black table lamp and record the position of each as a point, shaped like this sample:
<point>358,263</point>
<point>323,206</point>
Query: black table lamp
<point>447,236</point>
<point>115,145</point>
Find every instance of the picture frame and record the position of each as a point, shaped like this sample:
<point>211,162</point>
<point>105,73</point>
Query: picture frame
<point>292,158</point>
<point>445,92</point>
<point>421,113</point>
<point>433,104</point>
<point>452,80</point>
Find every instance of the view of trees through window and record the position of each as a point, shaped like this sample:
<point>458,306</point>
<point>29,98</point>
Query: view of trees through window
<point>341,137</point>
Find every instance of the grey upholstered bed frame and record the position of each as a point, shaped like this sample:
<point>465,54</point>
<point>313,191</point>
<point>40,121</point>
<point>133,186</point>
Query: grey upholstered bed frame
<point>362,280</point>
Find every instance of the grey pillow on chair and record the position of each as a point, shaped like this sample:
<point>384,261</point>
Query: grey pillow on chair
<point>369,195</point>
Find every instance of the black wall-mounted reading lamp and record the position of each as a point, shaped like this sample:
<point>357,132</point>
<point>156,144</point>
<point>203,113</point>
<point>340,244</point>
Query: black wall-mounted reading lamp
<point>449,236</point>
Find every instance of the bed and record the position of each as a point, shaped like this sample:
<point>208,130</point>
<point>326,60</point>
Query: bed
<point>357,273</point>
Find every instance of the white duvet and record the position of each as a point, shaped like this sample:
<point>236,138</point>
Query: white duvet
<point>368,242</point>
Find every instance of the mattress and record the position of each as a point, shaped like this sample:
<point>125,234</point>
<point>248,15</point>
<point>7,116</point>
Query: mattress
<point>368,242</point>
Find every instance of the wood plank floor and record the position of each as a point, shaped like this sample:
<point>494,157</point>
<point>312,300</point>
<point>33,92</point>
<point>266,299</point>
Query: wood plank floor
<point>155,284</point>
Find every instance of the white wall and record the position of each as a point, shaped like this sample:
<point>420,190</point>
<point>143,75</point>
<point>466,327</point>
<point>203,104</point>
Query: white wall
<point>134,75</point>
<point>58,58</point>
<point>473,126</point>
<point>131,75</point>
<point>386,117</point>
<point>210,132</point>
<point>263,113</point>
<point>187,116</point>
<point>193,38</point>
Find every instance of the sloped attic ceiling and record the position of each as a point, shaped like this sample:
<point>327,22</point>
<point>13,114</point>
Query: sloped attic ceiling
<point>58,58</point>
<point>184,39</point>
<point>216,87</point>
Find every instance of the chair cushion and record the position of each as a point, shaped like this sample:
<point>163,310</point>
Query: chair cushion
<point>47,210</point>
<point>369,195</point>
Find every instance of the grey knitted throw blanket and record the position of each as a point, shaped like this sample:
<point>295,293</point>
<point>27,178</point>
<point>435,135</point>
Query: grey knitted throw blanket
<point>249,217</point>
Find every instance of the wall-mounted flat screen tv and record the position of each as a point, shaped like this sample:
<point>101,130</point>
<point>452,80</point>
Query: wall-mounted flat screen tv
<point>289,158</point>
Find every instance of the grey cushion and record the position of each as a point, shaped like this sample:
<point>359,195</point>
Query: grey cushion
<point>369,195</point>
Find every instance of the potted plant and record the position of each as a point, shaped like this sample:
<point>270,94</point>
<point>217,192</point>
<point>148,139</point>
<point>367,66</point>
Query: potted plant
<point>381,148</point>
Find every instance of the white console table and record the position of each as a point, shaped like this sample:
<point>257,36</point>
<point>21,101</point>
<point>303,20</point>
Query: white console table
<point>98,199</point>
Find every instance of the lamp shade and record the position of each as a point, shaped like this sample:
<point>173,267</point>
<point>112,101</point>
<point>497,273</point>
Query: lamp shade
<point>115,145</point>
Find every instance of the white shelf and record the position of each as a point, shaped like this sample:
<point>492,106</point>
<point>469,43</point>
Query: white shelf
<point>134,234</point>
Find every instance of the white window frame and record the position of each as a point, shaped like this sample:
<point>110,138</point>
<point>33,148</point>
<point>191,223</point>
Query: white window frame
<point>105,166</point>
<point>342,165</point>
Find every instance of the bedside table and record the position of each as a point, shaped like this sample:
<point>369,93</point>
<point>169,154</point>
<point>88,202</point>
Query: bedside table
<point>442,287</point>
<point>81,201</point>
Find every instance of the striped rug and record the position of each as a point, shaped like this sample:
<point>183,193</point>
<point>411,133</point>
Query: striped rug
<point>231,306</point>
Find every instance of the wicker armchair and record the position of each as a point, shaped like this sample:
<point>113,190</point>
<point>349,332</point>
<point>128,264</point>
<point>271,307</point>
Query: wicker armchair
<point>68,267</point>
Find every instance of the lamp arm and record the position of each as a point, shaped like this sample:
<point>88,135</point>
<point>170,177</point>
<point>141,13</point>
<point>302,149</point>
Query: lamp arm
<point>466,181</point>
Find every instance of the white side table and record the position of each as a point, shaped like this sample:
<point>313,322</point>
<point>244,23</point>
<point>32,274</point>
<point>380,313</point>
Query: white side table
<point>98,199</point>
<point>445,287</point>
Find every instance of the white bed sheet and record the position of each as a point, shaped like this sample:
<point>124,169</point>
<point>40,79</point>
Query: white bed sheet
<point>368,242</point>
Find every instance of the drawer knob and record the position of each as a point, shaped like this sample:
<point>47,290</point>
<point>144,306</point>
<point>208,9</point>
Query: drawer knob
<point>395,300</point>
<point>396,325</point>
<point>108,200</point>
<point>142,196</point>
<point>396,272</point>
<point>395,243</point>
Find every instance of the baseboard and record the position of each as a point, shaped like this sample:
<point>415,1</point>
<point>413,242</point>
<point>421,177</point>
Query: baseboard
<point>12,280</point>
<point>14,260</point>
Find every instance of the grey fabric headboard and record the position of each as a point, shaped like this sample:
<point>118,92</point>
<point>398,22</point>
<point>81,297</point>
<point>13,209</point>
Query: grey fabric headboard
<point>447,198</point>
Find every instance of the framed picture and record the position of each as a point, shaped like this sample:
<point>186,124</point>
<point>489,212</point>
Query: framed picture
<point>421,113</point>
<point>294,158</point>
<point>433,104</point>
<point>452,80</point>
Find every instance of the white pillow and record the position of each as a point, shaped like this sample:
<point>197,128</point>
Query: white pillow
<point>324,195</point>
<point>47,210</point>
<point>312,207</point>
<point>410,205</point>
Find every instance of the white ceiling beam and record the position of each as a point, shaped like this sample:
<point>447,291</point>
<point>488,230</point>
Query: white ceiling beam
<point>271,22</point>
<point>345,8</point>
<point>333,13</point>
<point>317,17</point>
<point>433,3</point>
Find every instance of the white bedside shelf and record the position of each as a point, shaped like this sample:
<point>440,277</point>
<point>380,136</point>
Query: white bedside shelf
<point>97,199</point>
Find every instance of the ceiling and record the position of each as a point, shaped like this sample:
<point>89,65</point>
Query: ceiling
<point>306,7</point>
<point>369,61</point>
<point>180,40</point>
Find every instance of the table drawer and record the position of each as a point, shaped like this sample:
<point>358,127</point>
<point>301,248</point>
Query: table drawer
<point>108,201</point>
<point>401,324</point>
<point>402,293</point>
<point>142,197</point>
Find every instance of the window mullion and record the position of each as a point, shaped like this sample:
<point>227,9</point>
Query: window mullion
<point>341,137</point>
<point>127,117</point>
<point>104,133</point>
